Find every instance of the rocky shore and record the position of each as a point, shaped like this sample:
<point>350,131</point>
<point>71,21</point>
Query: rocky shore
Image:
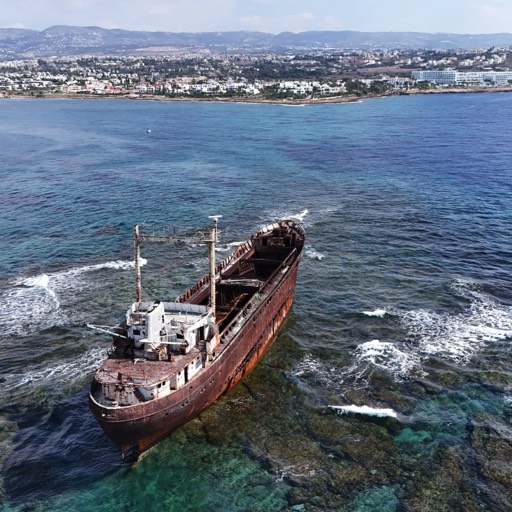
<point>310,100</point>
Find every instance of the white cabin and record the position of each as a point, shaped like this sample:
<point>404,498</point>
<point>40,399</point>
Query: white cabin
<point>160,329</point>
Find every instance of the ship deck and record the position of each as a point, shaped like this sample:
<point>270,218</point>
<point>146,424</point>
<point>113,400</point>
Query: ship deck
<point>141,370</point>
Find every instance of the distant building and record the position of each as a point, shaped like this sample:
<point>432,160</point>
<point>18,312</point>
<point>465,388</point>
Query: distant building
<point>451,77</point>
<point>436,77</point>
<point>397,82</point>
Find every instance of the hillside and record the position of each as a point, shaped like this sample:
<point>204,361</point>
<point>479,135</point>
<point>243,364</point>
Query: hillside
<point>67,40</point>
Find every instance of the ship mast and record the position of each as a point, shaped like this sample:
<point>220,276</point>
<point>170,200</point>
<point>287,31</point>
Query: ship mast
<point>211,245</point>
<point>138,278</point>
<point>139,238</point>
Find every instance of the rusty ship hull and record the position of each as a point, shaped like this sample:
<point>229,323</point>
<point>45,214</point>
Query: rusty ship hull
<point>247,327</point>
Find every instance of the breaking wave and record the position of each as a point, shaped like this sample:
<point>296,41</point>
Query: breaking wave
<point>65,372</point>
<point>458,337</point>
<point>455,337</point>
<point>288,215</point>
<point>377,312</point>
<point>313,254</point>
<point>385,356</point>
<point>229,247</point>
<point>299,217</point>
<point>364,409</point>
<point>32,305</point>
<point>35,303</point>
<point>368,357</point>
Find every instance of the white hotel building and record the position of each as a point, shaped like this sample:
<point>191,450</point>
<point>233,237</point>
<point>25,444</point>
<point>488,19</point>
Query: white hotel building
<point>451,77</point>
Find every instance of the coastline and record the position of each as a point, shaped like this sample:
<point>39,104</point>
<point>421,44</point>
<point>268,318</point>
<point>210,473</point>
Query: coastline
<point>316,100</point>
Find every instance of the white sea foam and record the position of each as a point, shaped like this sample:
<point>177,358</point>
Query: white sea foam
<point>115,265</point>
<point>65,372</point>
<point>313,254</point>
<point>308,364</point>
<point>386,356</point>
<point>364,409</point>
<point>299,216</point>
<point>400,363</point>
<point>48,281</point>
<point>369,356</point>
<point>32,303</point>
<point>375,312</point>
<point>40,280</point>
<point>338,380</point>
<point>36,303</point>
<point>459,337</point>
<point>456,337</point>
<point>229,247</point>
<point>324,374</point>
<point>288,215</point>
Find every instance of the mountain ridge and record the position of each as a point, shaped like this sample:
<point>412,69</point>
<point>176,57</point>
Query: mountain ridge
<point>65,40</point>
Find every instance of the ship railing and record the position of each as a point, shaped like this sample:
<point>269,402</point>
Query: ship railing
<point>128,381</point>
<point>291,224</point>
<point>239,252</point>
<point>205,281</point>
<point>285,263</point>
<point>235,325</point>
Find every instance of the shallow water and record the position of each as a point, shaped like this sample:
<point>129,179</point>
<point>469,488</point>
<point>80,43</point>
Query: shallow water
<point>403,300</point>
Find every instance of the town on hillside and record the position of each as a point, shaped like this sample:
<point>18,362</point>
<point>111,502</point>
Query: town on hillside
<point>287,76</point>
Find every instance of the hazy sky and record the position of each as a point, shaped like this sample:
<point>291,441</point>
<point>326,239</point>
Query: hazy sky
<point>459,16</point>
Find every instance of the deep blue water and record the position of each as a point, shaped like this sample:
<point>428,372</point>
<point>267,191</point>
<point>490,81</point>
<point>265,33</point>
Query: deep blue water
<point>404,300</point>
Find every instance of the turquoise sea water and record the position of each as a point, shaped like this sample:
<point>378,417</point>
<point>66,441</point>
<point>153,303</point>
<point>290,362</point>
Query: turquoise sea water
<point>404,300</point>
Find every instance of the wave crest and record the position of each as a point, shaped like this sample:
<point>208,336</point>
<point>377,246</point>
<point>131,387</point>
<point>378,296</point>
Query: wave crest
<point>385,356</point>
<point>313,254</point>
<point>458,337</point>
<point>65,372</point>
<point>35,303</point>
<point>376,312</point>
<point>364,409</point>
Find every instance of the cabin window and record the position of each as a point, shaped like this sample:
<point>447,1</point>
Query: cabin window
<point>136,332</point>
